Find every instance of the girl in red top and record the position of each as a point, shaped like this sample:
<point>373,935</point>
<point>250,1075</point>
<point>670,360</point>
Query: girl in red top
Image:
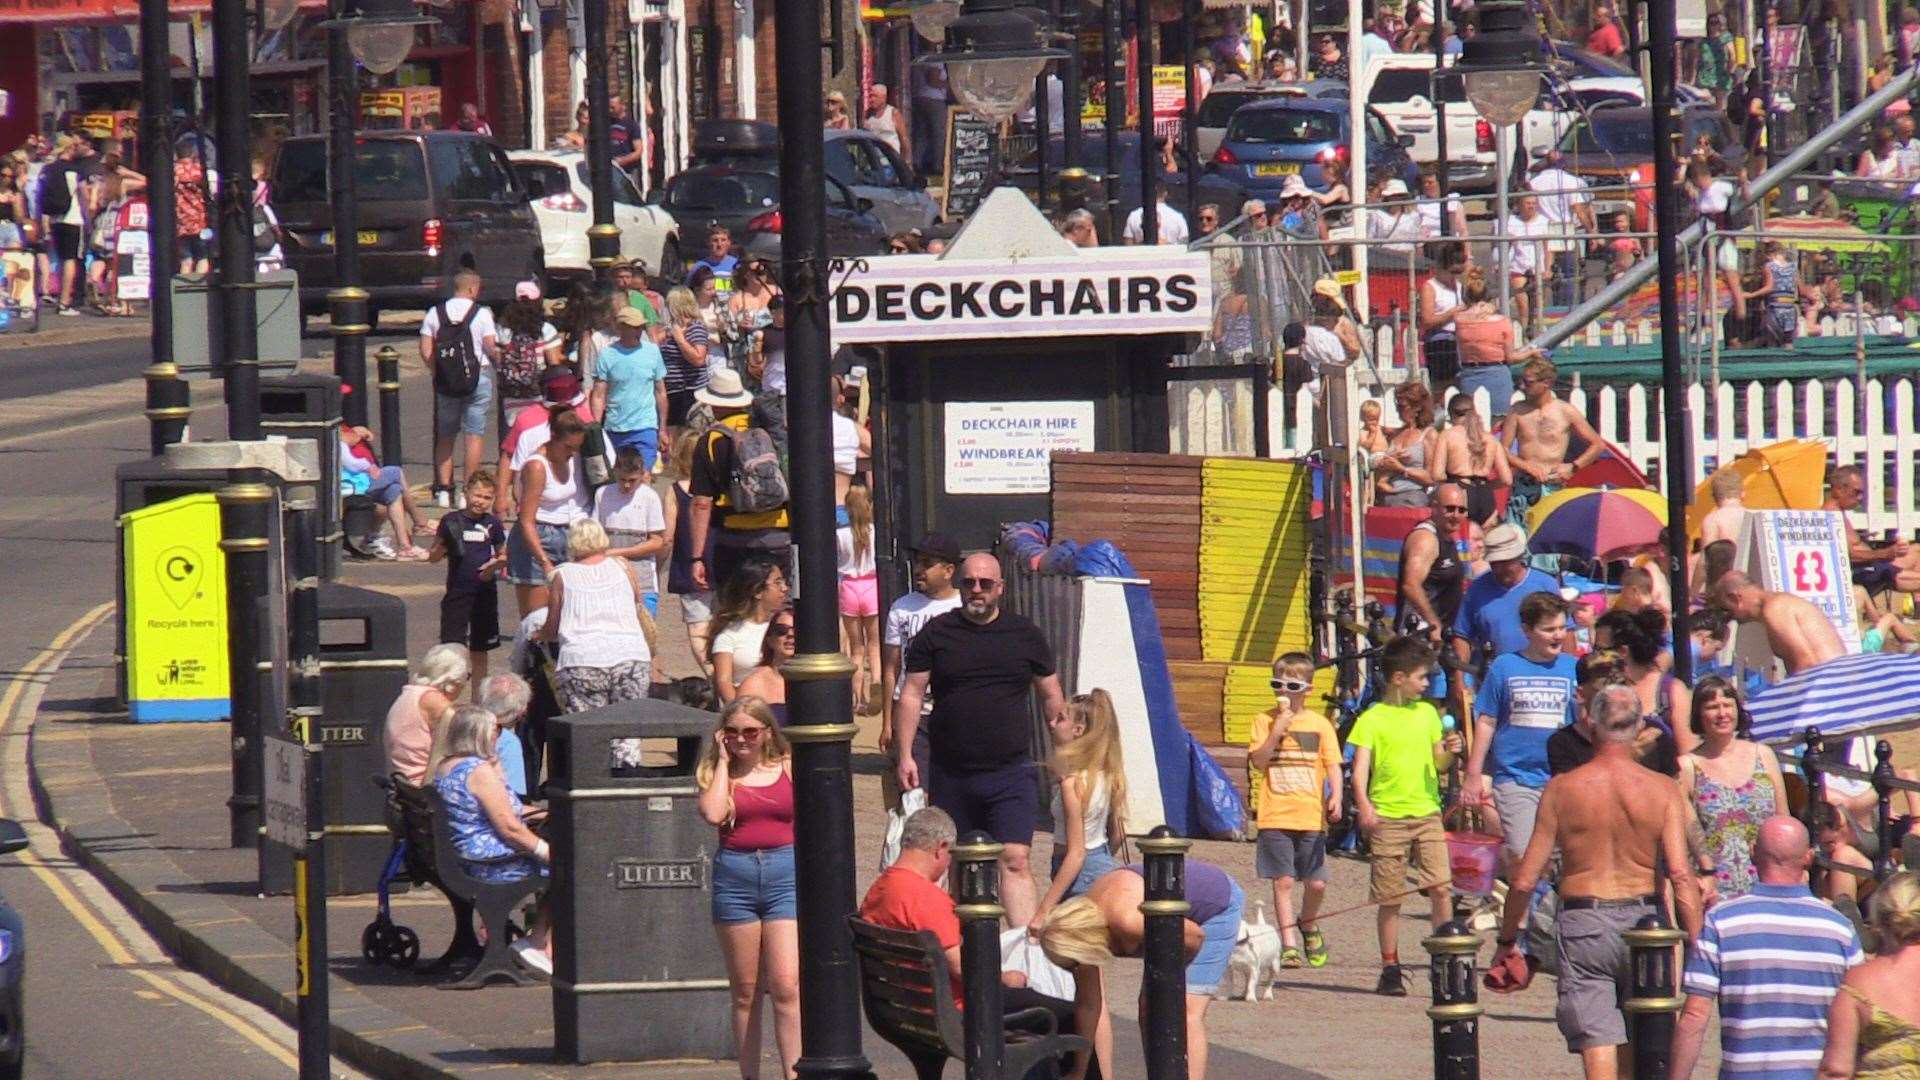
<point>746,788</point>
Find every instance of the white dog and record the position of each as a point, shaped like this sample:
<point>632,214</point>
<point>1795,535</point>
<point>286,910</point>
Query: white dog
<point>1255,962</point>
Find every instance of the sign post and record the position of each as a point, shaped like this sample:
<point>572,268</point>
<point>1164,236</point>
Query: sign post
<point>296,817</point>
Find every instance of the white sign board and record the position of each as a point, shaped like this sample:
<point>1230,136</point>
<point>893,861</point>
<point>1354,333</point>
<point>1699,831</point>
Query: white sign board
<point>1005,447</point>
<point>1803,552</point>
<point>916,298</point>
<point>284,798</point>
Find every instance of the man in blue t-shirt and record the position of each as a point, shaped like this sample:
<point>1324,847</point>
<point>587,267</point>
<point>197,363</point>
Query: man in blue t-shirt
<point>630,395</point>
<point>719,259</point>
<point>1490,613</point>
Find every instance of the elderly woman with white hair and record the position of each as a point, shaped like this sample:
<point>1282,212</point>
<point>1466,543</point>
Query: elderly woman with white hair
<point>593,612</point>
<point>422,708</point>
<point>484,816</point>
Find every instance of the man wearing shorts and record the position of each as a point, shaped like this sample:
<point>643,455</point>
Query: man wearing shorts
<point>1610,819</point>
<point>981,663</point>
<point>464,416</point>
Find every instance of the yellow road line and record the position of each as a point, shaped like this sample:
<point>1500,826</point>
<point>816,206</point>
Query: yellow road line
<point>109,941</point>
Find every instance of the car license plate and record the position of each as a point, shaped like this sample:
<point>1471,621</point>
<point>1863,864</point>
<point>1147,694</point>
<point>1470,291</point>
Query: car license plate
<point>1277,168</point>
<point>368,238</point>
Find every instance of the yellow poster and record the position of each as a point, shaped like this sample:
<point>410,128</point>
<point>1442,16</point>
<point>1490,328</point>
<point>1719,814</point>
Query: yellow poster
<point>176,612</point>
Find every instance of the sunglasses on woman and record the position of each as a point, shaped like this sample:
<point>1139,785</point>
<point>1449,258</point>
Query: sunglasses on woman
<point>781,629</point>
<point>745,734</point>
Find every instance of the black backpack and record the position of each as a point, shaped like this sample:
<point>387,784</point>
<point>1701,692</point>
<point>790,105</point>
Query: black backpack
<point>55,197</point>
<point>456,363</point>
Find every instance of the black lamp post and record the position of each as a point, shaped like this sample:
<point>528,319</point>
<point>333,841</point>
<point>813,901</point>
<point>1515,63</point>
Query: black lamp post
<point>1501,68</point>
<point>603,238</point>
<point>1677,455</point>
<point>995,53</point>
<point>168,404</point>
<point>237,346</point>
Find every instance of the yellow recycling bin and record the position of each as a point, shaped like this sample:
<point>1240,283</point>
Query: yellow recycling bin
<point>176,616</point>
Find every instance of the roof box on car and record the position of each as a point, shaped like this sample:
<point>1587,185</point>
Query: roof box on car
<point>733,138</point>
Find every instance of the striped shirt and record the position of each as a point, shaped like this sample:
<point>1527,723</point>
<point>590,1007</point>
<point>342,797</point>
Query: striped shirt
<point>1774,958</point>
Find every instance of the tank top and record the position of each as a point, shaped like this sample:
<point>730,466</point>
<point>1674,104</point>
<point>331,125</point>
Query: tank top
<point>598,625</point>
<point>1093,822</point>
<point>1444,297</point>
<point>885,124</point>
<point>561,500</point>
<point>762,816</point>
<point>1400,483</point>
<point>1444,585</point>
<point>408,735</point>
<point>680,566</point>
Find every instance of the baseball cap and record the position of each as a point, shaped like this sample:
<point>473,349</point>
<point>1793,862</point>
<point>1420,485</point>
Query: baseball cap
<point>559,384</point>
<point>630,316</point>
<point>938,545</point>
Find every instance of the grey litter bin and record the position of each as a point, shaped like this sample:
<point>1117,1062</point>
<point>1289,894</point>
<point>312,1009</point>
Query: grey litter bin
<point>308,407</point>
<point>638,975</point>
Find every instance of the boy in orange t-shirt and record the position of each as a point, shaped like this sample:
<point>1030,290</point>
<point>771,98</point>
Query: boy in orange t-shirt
<point>1294,754</point>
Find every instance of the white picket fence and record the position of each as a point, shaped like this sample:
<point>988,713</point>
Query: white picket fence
<point>1216,417</point>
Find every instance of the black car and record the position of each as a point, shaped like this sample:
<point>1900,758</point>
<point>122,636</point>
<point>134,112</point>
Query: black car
<point>430,204</point>
<point>861,160</point>
<point>748,202</point>
<point>1024,175</point>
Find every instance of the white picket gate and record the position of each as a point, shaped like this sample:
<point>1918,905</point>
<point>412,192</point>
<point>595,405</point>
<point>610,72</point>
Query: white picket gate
<point>1215,417</point>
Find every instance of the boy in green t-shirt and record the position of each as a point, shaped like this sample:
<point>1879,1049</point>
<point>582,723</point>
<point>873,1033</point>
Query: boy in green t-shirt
<point>1400,749</point>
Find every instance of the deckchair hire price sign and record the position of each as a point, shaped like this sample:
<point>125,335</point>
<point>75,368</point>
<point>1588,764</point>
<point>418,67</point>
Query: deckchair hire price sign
<point>176,611</point>
<point>1803,552</point>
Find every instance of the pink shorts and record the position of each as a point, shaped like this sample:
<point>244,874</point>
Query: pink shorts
<point>860,596</point>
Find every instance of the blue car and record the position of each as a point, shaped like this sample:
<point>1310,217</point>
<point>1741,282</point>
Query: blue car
<point>1269,141</point>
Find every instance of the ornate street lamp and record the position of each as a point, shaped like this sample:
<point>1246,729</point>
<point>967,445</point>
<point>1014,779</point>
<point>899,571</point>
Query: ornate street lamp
<point>379,32</point>
<point>1501,66</point>
<point>994,51</point>
<point>932,17</point>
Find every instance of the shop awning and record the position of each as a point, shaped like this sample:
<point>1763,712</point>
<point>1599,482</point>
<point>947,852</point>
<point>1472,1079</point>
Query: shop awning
<point>76,11</point>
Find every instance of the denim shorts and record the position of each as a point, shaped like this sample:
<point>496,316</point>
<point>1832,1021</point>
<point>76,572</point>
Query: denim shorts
<point>1209,966</point>
<point>646,442</point>
<point>467,415</point>
<point>1099,861</point>
<point>389,483</point>
<point>523,566</point>
<point>754,886</point>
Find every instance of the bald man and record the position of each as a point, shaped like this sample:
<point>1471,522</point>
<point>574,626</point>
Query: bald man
<point>981,663</point>
<point>1798,632</point>
<point>1774,959</point>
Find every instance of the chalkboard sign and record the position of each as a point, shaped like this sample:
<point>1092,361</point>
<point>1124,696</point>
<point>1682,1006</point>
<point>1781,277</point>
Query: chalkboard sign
<point>971,145</point>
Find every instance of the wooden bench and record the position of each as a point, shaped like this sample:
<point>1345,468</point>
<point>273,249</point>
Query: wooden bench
<point>907,989</point>
<point>432,859</point>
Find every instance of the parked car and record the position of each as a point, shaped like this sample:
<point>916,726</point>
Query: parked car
<point>13,968</point>
<point>561,192</point>
<point>859,159</point>
<point>748,201</point>
<point>430,203</point>
<point>1210,120</point>
<point>1402,89</point>
<point>1269,141</point>
<point>1612,148</point>
<point>1024,175</point>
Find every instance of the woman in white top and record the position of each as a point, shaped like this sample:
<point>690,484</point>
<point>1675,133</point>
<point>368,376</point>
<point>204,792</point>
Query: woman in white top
<point>552,495</point>
<point>851,442</point>
<point>1089,798</point>
<point>860,599</point>
<point>593,611</point>
<point>748,601</point>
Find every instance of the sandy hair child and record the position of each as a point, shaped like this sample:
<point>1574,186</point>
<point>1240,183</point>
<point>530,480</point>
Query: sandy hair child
<point>1295,754</point>
<point>1089,798</point>
<point>474,543</point>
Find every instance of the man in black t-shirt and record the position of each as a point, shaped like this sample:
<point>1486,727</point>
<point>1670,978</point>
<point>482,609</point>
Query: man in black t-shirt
<point>981,663</point>
<point>625,137</point>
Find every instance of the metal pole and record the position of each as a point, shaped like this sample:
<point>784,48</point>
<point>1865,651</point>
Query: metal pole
<point>1859,361</point>
<point>237,353</point>
<point>1069,24</point>
<point>1164,990</point>
<point>1883,860</point>
<point>1816,782</point>
<point>167,396</point>
<point>347,300</point>
<point>1149,152</point>
<point>1676,455</point>
<point>976,876</point>
<point>1357,175</point>
<point>389,359</point>
<point>246,514</point>
<point>603,238</point>
<point>820,689</point>
<point>310,863</point>
<point>1440,169</point>
<point>1042,132</point>
<point>1456,1008</point>
<point>1654,997</point>
<point>1190,106</point>
<point>1503,252</point>
<point>1113,33</point>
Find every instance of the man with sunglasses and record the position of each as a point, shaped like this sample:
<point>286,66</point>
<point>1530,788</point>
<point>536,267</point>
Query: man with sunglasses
<point>980,663</point>
<point>1433,577</point>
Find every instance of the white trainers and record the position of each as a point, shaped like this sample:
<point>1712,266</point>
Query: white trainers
<point>531,956</point>
<point>443,498</point>
<point>381,548</point>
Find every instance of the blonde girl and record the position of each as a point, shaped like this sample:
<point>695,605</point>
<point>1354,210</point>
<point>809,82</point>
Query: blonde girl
<point>1089,798</point>
<point>860,598</point>
<point>746,790</point>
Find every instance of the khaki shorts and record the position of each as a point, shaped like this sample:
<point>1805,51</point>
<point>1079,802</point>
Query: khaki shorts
<point>1425,838</point>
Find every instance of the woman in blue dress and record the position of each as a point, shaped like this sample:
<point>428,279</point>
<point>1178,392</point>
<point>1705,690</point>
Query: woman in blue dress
<point>486,819</point>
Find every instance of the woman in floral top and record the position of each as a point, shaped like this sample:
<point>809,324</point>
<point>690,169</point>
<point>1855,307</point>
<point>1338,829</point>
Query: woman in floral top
<point>1733,783</point>
<point>190,209</point>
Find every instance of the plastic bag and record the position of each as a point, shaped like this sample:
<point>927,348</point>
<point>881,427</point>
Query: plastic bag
<point>1021,953</point>
<point>912,800</point>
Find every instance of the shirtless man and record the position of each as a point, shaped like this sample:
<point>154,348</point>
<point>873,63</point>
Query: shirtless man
<point>1610,819</point>
<point>1729,513</point>
<point>1896,565</point>
<point>1541,429</point>
<point>1797,632</point>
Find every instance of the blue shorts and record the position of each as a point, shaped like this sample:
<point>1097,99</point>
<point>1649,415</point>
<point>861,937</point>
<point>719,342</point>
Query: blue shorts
<point>646,442</point>
<point>652,600</point>
<point>1099,861</point>
<point>1005,802</point>
<point>754,886</point>
<point>389,483</point>
<point>467,415</point>
<point>523,566</point>
<point>1209,966</point>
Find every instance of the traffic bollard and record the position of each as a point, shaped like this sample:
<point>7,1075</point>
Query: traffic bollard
<point>1164,987</point>
<point>389,360</point>
<point>246,516</point>
<point>1456,1008</point>
<point>1883,808</point>
<point>169,405</point>
<point>1654,996</point>
<point>976,875</point>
